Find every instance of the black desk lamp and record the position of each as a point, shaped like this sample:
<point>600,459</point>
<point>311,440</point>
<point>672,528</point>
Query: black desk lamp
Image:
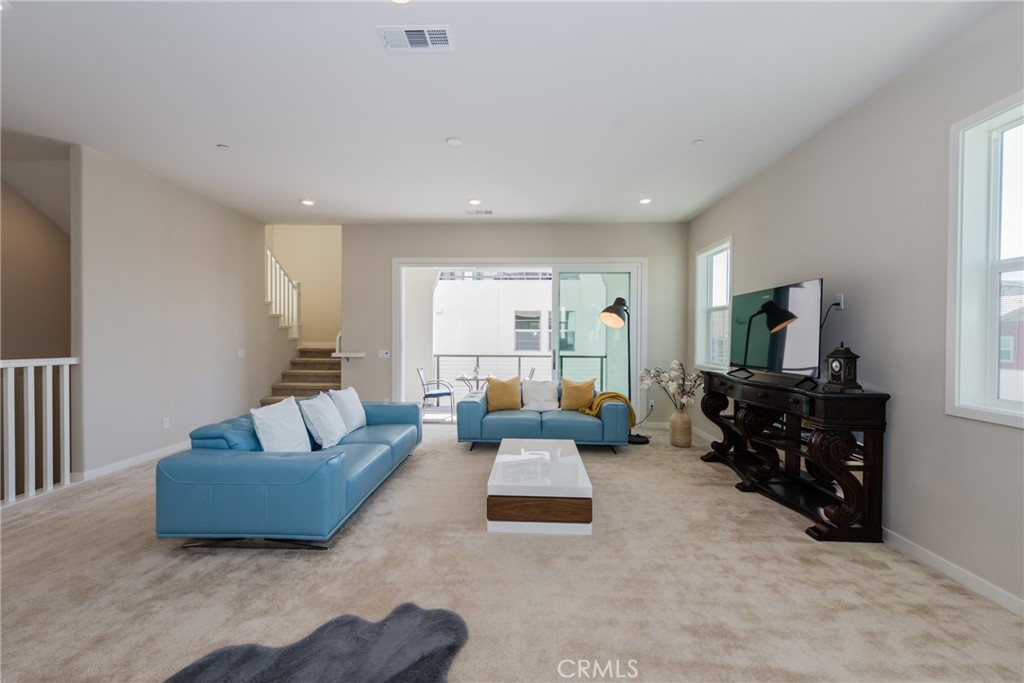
<point>775,317</point>
<point>617,316</point>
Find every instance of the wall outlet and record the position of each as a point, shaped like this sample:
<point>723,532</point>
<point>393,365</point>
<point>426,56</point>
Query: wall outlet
<point>650,406</point>
<point>840,300</point>
<point>241,353</point>
<point>167,423</point>
<point>383,354</point>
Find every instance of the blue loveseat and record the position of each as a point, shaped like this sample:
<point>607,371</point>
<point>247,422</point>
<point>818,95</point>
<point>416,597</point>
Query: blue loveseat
<point>476,425</point>
<point>225,486</point>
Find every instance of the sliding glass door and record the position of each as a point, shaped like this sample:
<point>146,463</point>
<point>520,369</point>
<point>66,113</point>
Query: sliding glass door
<point>463,320</point>
<point>583,347</point>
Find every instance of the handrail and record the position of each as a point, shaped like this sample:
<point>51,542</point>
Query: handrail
<point>19,437</point>
<point>36,362</point>
<point>446,365</point>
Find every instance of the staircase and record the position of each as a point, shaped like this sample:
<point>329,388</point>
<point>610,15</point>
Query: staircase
<point>312,372</point>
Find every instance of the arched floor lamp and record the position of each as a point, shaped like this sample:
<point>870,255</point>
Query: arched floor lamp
<point>617,316</point>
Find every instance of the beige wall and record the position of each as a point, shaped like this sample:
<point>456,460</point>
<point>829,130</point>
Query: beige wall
<point>367,277</point>
<point>167,287</point>
<point>36,282</point>
<point>312,256</point>
<point>865,204</point>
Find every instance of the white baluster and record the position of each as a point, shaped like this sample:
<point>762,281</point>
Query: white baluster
<point>48,428</point>
<point>65,427</point>
<point>9,441</point>
<point>29,459</point>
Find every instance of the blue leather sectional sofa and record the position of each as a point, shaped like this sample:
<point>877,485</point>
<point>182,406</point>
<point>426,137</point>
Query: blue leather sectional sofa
<point>225,486</point>
<point>476,425</point>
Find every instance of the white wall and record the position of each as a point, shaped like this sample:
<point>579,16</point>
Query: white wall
<point>864,204</point>
<point>369,251</point>
<point>311,254</point>
<point>166,288</point>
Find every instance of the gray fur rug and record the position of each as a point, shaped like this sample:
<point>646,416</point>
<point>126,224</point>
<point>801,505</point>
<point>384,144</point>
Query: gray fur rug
<point>411,645</point>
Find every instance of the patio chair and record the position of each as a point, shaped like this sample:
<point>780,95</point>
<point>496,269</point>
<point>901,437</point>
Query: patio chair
<point>437,389</point>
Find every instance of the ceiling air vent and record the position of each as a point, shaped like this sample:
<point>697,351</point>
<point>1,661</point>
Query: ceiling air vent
<point>434,38</point>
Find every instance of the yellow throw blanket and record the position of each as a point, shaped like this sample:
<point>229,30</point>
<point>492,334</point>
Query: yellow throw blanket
<point>604,397</point>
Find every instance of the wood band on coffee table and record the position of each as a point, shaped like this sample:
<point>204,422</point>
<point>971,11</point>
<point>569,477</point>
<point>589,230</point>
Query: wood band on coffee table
<point>538,509</point>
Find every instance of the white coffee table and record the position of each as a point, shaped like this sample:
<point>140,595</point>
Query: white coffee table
<point>539,486</point>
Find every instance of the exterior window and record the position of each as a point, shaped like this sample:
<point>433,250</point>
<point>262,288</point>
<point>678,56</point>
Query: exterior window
<point>567,331</point>
<point>985,377</point>
<point>527,330</point>
<point>714,289</point>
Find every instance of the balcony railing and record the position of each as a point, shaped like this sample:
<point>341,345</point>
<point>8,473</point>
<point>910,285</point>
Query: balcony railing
<point>449,367</point>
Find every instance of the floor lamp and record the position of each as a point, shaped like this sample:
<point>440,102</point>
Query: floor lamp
<point>617,316</point>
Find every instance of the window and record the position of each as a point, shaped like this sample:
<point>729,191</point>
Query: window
<point>567,331</point>
<point>714,291</point>
<point>527,330</point>
<point>985,373</point>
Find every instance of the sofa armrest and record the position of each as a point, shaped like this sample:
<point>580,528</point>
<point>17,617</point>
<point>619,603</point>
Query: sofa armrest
<point>469,415</point>
<point>615,421</point>
<point>386,412</point>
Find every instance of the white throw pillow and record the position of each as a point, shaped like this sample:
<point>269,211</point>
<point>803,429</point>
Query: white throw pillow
<point>350,407</point>
<point>540,395</point>
<point>323,420</point>
<point>280,427</point>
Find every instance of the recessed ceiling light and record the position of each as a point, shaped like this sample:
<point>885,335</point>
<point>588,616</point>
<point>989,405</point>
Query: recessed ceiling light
<point>222,146</point>
<point>308,202</point>
<point>696,142</point>
<point>645,200</point>
<point>454,142</point>
<point>400,2</point>
<point>474,202</point>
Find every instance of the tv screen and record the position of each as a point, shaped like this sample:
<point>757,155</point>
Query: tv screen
<point>777,329</point>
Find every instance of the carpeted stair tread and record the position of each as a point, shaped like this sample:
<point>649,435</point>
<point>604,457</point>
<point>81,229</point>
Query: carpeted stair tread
<point>315,352</point>
<point>317,364</point>
<point>315,376</point>
<point>298,389</point>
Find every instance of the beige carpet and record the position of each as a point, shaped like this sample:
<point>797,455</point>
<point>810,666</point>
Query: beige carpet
<point>684,579</point>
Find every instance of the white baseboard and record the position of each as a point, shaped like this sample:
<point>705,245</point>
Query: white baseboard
<point>959,574</point>
<point>129,462</point>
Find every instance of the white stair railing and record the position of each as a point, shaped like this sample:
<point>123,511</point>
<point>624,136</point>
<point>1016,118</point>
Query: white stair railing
<point>284,295</point>
<point>55,430</point>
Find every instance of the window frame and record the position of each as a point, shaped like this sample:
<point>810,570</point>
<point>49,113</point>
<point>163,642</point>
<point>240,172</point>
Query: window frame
<point>527,316</point>
<point>704,307</point>
<point>975,267</point>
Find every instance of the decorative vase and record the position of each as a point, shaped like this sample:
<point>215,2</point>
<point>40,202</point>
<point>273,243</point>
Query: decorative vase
<point>680,429</point>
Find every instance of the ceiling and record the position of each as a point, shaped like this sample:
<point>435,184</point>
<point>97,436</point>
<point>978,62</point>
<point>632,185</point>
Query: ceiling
<point>567,111</point>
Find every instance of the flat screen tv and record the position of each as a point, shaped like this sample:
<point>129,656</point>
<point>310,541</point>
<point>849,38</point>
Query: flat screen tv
<point>777,329</point>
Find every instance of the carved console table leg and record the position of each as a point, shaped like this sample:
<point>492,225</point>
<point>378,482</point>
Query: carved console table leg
<point>712,405</point>
<point>830,451</point>
<point>752,422</point>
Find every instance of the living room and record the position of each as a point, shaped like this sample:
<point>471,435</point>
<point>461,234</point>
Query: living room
<point>163,280</point>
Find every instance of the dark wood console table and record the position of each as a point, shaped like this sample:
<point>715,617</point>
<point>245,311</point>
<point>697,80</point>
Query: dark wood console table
<point>816,452</point>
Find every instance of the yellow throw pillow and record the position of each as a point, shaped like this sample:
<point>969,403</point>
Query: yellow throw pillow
<point>577,395</point>
<point>503,394</point>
